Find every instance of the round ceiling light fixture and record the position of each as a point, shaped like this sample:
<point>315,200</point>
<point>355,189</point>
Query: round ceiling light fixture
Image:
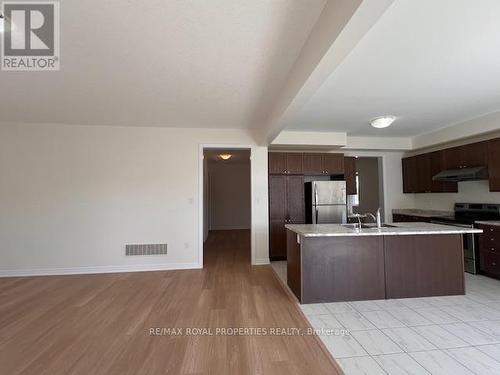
<point>382,121</point>
<point>225,156</point>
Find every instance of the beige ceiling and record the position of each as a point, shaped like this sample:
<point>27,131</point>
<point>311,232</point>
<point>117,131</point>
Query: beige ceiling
<point>190,63</point>
<point>431,63</point>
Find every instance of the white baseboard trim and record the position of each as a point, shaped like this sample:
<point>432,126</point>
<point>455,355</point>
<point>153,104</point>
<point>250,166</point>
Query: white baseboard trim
<point>262,262</point>
<point>98,269</point>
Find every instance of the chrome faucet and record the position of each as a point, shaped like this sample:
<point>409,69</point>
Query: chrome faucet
<point>376,219</point>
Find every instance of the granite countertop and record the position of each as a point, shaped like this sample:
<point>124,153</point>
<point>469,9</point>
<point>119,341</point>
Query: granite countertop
<point>495,223</point>
<point>399,229</point>
<point>422,213</point>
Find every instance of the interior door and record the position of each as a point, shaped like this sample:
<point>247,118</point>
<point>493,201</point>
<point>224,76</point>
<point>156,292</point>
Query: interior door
<point>334,214</point>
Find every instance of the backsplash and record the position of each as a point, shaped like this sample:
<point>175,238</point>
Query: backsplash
<point>468,191</point>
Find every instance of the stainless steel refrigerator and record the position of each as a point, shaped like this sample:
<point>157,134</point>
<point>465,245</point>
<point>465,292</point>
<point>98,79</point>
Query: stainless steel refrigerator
<point>326,202</point>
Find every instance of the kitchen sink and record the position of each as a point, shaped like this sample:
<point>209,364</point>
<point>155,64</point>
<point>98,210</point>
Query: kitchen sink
<point>366,226</point>
<point>375,226</point>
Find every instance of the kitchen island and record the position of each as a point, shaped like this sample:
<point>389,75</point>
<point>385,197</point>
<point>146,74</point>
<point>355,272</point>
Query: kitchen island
<point>334,262</point>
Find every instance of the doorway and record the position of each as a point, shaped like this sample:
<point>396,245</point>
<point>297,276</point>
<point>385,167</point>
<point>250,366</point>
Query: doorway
<point>369,195</point>
<point>227,204</point>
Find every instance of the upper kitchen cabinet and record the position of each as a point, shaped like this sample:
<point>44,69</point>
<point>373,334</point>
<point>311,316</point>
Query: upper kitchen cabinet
<point>333,163</point>
<point>436,166</point>
<point>471,155</point>
<point>452,158</point>
<point>350,175</point>
<point>313,164</point>
<point>424,176</point>
<point>494,164</point>
<point>285,163</point>
<point>316,164</point>
<point>418,172</point>
<point>475,154</point>
<point>409,175</point>
<point>277,163</point>
<point>294,163</point>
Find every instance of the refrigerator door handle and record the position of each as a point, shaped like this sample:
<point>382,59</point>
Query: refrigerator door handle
<point>316,221</point>
<point>316,198</point>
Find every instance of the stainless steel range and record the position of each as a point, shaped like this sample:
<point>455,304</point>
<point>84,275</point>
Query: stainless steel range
<point>466,215</point>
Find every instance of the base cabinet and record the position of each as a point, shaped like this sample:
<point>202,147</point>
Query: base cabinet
<point>489,250</point>
<point>277,240</point>
<point>342,269</point>
<point>351,268</point>
<point>420,266</point>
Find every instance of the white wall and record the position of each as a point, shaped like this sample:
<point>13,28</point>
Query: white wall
<point>230,201</point>
<point>71,197</point>
<point>468,192</point>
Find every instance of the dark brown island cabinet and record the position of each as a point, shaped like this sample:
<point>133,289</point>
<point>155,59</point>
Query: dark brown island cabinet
<point>351,268</point>
<point>489,250</point>
<point>418,170</point>
<point>286,189</point>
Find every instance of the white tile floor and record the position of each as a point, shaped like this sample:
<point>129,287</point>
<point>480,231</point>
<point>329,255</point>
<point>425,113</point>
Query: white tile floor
<point>432,335</point>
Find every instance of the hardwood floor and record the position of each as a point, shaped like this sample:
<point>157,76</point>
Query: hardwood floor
<point>100,324</point>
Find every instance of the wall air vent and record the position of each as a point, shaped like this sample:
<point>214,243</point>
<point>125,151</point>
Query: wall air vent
<point>146,249</point>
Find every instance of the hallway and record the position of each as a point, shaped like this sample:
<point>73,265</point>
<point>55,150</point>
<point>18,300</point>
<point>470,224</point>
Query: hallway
<point>100,324</point>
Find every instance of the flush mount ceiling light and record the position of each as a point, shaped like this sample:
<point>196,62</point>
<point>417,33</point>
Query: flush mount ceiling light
<point>225,156</point>
<point>382,121</point>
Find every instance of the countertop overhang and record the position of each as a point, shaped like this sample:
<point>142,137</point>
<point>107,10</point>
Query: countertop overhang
<point>399,229</point>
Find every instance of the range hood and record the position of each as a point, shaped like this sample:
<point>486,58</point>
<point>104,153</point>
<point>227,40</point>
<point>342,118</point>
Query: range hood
<point>462,174</point>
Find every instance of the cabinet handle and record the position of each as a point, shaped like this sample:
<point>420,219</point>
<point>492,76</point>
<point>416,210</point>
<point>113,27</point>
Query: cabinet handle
<point>492,249</point>
<point>493,264</point>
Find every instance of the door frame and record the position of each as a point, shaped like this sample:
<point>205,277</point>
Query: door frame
<point>201,210</point>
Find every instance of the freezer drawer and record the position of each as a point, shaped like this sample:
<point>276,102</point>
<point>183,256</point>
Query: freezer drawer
<point>335,214</point>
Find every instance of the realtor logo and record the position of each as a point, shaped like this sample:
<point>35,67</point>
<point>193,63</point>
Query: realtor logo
<point>31,36</point>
